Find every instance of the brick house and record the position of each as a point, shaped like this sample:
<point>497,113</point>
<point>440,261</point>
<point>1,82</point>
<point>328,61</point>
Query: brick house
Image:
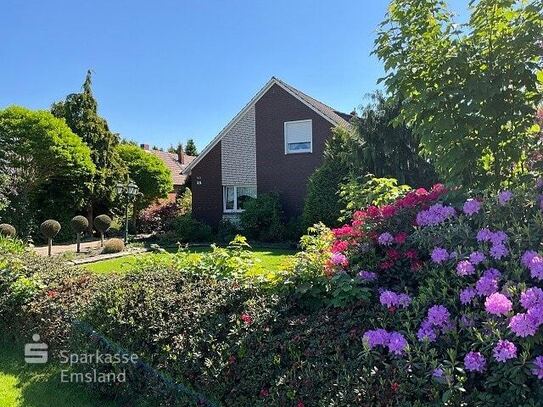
<point>272,145</point>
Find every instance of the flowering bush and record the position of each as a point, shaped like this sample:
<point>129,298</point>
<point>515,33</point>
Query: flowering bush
<point>456,293</point>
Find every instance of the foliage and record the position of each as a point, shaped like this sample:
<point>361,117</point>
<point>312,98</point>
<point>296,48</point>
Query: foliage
<point>7,230</point>
<point>190,148</point>
<point>158,218</point>
<point>79,224</point>
<point>102,223</point>
<point>187,229</point>
<point>368,190</point>
<point>113,246</point>
<point>322,203</point>
<point>40,153</point>
<point>469,91</point>
<point>149,172</point>
<point>80,111</point>
<point>185,201</point>
<point>50,228</point>
<point>227,230</point>
<point>262,218</point>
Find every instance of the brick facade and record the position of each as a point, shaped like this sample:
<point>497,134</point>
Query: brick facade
<point>207,188</point>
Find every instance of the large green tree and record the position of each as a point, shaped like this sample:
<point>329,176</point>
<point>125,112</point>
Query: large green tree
<point>149,172</point>
<point>39,151</point>
<point>80,110</point>
<point>469,91</point>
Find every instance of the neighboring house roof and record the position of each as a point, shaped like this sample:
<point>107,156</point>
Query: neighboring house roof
<point>333,116</point>
<point>172,162</point>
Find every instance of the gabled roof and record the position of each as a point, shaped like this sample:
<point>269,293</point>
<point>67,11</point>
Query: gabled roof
<point>333,116</point>
<point>172,162</point>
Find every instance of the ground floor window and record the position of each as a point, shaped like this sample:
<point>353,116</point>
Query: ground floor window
<point>235,197</point>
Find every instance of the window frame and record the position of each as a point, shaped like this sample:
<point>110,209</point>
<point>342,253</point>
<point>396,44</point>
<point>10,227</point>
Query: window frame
<point>236,209</point>
<point>285,125</point>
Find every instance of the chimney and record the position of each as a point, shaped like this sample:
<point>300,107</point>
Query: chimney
<point>180,154</point>
<point>145,146</point>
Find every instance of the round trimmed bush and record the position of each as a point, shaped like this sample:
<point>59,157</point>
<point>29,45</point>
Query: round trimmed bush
<point>113,246</point>
<point>7,230</point>
<point>50,228</point>
<point>102,223</point>
<point>79,224</point>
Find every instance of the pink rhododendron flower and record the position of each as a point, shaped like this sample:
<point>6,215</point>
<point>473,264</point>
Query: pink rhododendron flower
<point>498,304</point>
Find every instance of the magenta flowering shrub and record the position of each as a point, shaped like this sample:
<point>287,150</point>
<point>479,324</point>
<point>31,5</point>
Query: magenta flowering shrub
<point>457,303</point>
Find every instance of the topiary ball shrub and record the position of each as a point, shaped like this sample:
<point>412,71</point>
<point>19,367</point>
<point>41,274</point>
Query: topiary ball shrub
<point>50,228</point>
<point>113,246</point>
<point>79,224</point>
<point>102,223</point>
<point>7,230</point>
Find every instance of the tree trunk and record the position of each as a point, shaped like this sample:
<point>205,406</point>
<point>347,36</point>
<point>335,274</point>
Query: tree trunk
<point>101,239</point>
<point>49,246</point>
<point>90,217</point>
<point>79,243</point>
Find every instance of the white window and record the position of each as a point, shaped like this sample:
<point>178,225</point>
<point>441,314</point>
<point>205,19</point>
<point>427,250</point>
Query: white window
<point>299,137</point>
<point>234,197</point>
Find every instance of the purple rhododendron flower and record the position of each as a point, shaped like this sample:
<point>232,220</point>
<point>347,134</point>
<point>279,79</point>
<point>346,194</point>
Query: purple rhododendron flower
<point>385,239</point>
<point>522,326</point>
<point>464,268</point>
<point>426,331</point>
<point>484,235</point>
<point>376,337</point>
<point>504,197</point>
<point>539,183</point>
<point>396,343</point>
<point>527,258</point>
<point>388,298</point>
<point>492,273</point>
<point>537,368</point>
<point>438,373</point>
<point>435,215</point>
<point>392,299</point>
<point>476,257</point>
<point>367,275</point>
<point>498,251</point>
<point>531,297</point>
<point>471,207</point>
<point>498,237</point>
<point>486,286</point>
<point>438,315</point>
<point>474,362</point>
<point>440,255</point>
<point>535,315</point>
<point>534,262</point>
<point>504,351</point>
<point>467,295</point>
<point>498,304</point>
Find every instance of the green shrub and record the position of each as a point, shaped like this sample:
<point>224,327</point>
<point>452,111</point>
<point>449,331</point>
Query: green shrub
<point>102,223</point>
<point>50,228</point>
<point>368,190</point>
<point>187,229</point>
<point>113,246</point>
<point>79,224</point>
<point>262,218</point>
<point>227,230</point>
<point>322,203</point>
<point>7,230</point>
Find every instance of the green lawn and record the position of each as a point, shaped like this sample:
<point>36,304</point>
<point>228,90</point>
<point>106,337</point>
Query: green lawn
<point>271,261</point>
<point>23,385</point>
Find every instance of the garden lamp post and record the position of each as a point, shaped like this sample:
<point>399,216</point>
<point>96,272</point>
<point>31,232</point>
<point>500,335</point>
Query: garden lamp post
<point>129,190</point>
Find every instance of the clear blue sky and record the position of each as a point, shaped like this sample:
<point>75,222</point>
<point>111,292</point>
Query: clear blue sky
<point>168,70</point>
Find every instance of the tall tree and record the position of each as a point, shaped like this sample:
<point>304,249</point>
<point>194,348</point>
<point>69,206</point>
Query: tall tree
<point>80,110</point>
<point>38,151</point>
<point>190,148</point>
<point>469,91</point>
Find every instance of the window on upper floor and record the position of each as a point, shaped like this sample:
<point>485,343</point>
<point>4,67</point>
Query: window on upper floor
<point>235,197</point>
<point>299,137</point>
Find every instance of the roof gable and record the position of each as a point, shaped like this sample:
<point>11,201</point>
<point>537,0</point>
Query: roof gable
<point>320,108</point>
